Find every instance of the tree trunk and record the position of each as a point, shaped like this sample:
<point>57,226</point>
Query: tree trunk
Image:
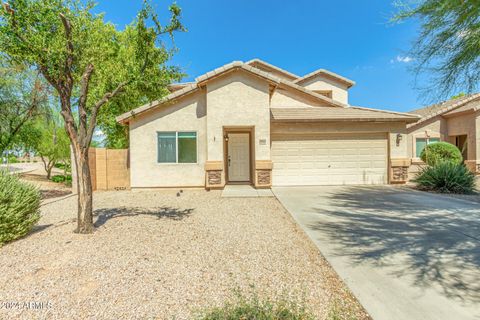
<point>85,197</point>
<point>46,166</point>
<point>49,172</point>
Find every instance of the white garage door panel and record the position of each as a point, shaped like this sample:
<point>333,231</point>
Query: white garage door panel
<point>330,160</point>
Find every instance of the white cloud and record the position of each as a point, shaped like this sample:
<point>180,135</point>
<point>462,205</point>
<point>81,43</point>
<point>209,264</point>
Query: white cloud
<point>403,59</point>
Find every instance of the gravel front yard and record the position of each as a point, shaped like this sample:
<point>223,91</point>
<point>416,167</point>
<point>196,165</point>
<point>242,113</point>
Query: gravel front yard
<point>156,255</point>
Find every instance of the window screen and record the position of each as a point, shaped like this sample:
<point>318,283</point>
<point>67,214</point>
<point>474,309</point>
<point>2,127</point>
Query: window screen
<point>167,150</point>
<point>187,147</point>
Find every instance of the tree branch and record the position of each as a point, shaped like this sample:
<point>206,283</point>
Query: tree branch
<point>85,81</point>
<point>98,105</point>
<point>82,109</point>
<point>69,46</point>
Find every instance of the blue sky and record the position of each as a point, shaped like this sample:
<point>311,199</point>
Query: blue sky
<point>351,37</point>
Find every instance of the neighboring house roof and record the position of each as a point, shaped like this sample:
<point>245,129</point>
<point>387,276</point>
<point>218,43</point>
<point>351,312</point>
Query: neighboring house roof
<point>336,114</point>
<point>471,106</point>
<point>328,74</point>
<point>267,65</point>
<point>236,65</point>
<point>445,107</point>
<point>177,86</point>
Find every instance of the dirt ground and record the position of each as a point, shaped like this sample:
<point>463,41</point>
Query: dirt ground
<point>163,255</point>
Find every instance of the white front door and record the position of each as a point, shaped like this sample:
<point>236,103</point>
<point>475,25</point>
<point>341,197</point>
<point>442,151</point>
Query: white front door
<point>238,157</point>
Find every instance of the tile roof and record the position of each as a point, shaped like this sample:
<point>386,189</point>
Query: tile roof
<point>327,73</point>
<point>444,107</point>
<point>235,65</point>
<point>174,95</point>
<point>255,61</point>
<point>470,106</point>
<point>177,86</point>
<point>339,114</point>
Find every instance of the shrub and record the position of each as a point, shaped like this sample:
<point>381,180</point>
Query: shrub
<point>19,207</point>
<point>251,307</point>
<point>439,152</point>
<point>61,178</point>
<point>60,165</point>
<point>446,177</point>
<point>58,178</point>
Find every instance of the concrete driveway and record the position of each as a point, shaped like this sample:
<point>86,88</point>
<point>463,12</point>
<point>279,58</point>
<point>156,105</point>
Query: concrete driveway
<point>404,254</point>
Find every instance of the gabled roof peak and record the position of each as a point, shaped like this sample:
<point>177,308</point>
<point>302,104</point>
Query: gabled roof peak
<point>328,74</point>
<point>291,76</point>
<point>200,81</point>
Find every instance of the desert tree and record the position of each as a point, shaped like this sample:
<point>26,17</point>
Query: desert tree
<point>23,97</point>
<point>88,62</point>
<point>448,45</point>
<point>52,145</point>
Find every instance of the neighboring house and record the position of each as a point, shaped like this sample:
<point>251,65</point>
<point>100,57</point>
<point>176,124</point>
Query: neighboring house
<point>456,121</point>
<point>258,124</point>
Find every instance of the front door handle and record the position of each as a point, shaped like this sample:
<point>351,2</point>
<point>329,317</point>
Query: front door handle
<point>229,161</point>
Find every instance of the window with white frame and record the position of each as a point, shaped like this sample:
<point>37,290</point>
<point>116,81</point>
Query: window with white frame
<point>176,147</point>
<point>420,144</point>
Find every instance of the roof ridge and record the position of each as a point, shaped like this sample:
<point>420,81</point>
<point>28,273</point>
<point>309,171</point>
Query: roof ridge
<point>344,114</point>
<point>439,104</point>
<point>458,104</point>
<point>272,66</point>
<point>310,92</point>
<point>204,77</point>
<point>387,111</point>
<point>328,73</point>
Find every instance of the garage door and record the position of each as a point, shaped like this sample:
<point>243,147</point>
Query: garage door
<point>329,159</point>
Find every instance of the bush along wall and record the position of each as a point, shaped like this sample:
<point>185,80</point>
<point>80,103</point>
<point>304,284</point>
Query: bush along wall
<point>446,177</point>
<point>19,207</point>
<point>438,152</point>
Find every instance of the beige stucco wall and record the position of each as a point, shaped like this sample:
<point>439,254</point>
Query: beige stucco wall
<point>188,114</point>
<point>339,91</point>
<point>238,99</point>
<point>282,98</point>
<point>477,136</point>
<point>461,125</point>
<point>446,129</point>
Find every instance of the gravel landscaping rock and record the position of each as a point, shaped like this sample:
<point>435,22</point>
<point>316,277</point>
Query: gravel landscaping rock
<point>164,255</point>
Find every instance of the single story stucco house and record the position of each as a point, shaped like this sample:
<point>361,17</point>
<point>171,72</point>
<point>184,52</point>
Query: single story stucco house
<point>257,124</point>
<point>456,121</point>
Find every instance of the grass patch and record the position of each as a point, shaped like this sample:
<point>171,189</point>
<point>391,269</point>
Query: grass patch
<point>251,307</point>
<point>60,178</point>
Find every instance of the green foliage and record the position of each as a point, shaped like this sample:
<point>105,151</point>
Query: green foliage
<point>64,166</point>
<point>448,43</point>
<point>12,159</point>
<point>90,64</point>
<point>441,151</point>
<point>251,307</point>
<point>22,98</point>
<point>53,143</point>
<point>459,95</point>
<point>33,33</point>
<point>61,178</point>
<point>19,207</point>
<point>446,177</point>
